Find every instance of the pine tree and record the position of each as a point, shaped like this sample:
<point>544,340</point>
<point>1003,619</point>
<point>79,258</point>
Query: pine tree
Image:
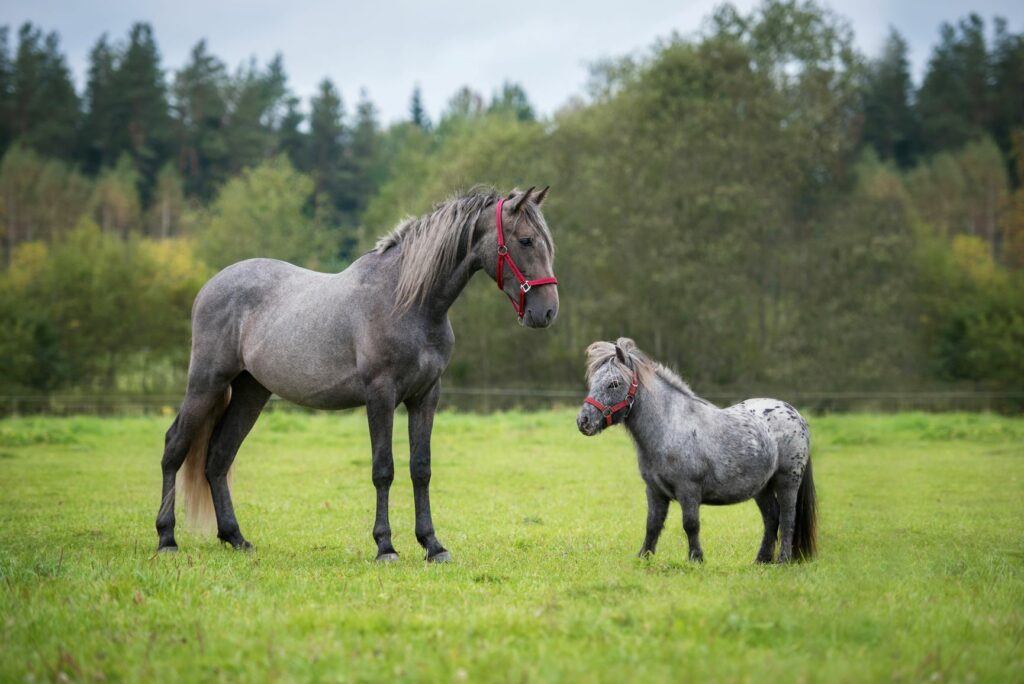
<point>954,100</point>
<point>889,123</point>
<point>290,139</point>
<point>44,112</point>
<point>99,124</point>
<point>417,113</point>
<point>365,153</point>
<point>512,100</point>
<point>140,103</point>
<point>200,109</point>
<point>328,151</point>
<point>1008,86</point>
<point>6,88</point>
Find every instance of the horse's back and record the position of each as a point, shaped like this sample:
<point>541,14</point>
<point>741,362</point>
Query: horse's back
<point>790,430</point>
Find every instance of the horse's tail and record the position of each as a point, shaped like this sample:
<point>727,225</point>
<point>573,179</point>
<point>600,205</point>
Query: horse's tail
<point>192,482</point>
<point>805,534</point>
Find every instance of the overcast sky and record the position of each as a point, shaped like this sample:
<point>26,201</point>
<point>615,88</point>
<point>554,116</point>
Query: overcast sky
<point>388,47</point>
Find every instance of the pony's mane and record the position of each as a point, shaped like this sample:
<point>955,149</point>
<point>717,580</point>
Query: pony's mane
<point>430,243</point>
<point>600,353</point>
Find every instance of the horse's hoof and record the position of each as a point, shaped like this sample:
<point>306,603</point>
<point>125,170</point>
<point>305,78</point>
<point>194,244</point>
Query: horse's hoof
<point>442,557</point>
<point>167,549</point>
<point>387,557</point>
<point>243,545</point>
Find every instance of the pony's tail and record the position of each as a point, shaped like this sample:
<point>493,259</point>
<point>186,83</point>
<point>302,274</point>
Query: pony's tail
<point>805,534</point>
<point>192,482</point>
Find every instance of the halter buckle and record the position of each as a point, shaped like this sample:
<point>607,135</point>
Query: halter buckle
<point>525,287</point>
<point>607,411</point>
<point>502,250</point>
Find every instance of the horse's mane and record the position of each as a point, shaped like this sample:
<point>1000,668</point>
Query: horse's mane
<point>430,243</point>
<point>600,353</point>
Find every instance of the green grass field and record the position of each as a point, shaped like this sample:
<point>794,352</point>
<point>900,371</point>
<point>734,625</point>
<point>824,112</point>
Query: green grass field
<point>920,577</point>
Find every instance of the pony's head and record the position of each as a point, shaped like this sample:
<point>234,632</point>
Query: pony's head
<point>615,370</point>
<point>528,242</point>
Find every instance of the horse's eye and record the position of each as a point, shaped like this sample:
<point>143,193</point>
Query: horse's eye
<point>526,242</point>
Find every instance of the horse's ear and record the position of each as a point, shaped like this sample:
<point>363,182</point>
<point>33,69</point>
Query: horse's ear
<point>625,343</point>
<point>517,203</point>
<point>620,353</point>
<point>539,197</point>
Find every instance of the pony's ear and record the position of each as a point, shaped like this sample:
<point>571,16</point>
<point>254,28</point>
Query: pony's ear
<point>620,353</point>
<point>625,343</point>
<point>539,197</point>
<point>517,203</point>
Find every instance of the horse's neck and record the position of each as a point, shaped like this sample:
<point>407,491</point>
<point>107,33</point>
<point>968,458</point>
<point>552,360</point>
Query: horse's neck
<point>449,289</point>
<point>659,410</point>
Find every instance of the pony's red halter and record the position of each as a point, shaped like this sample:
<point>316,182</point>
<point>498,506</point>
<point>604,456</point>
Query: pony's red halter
<point>626,404</point>
<point>524,284</point>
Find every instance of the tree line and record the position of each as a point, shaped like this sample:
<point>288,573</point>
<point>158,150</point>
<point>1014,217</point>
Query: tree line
<point>760,206</point>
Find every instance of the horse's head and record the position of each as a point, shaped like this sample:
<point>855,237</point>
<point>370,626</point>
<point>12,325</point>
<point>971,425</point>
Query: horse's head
<point>519,254</point>
<point>613,377</point>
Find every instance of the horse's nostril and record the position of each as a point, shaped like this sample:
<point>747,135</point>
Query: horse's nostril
<point>549,315</point>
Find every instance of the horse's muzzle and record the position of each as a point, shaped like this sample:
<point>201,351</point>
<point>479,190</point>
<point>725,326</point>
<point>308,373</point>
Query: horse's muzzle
<point>587,424</point>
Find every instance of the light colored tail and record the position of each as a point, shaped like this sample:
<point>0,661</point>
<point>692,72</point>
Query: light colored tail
<point>192,483</point>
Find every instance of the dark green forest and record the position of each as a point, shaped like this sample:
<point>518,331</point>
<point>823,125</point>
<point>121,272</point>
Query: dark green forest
<point>761,206</point>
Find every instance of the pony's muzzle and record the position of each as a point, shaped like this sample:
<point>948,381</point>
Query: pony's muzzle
<point>587,424</point>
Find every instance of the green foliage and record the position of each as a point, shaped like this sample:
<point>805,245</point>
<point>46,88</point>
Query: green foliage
<point>543,525</point>
<point>264,213</point>
<point>759,206</point>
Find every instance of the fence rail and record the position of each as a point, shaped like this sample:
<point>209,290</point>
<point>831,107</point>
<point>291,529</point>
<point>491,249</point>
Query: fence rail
<point>486,399</point>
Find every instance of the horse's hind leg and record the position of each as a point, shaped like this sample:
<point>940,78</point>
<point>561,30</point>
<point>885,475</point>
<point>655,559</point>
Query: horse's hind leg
<point>248,397</point>
<point>787,519</point>
<point>769,506</point>
<point>691,525</point>
<point>196,408</point>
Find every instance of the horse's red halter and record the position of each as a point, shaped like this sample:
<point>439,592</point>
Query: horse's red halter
<point>609,411</point>
<point>524,284</point>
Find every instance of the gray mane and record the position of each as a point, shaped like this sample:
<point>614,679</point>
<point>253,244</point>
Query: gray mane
<point>600,353</point>
<point>430,243</point>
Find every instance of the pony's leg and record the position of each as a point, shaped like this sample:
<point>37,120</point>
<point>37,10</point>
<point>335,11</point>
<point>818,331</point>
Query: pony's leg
<point>691,525</point>
<point>421,422</point>
<point>657,510</point>
<point>248,397</point>
<point>769,506</point>
<point>380,413</point>
<point>787,520</point>
<point>195,409</point>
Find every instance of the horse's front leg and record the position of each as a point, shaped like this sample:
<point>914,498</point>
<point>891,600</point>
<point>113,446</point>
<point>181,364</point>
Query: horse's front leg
<point>380,412</point>
<point>691,525</point>
<point>657,510</point>
<point>421,423</point>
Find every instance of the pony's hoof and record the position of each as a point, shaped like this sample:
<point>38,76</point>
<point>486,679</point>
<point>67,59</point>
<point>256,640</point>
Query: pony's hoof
<point>243,546</point>
<point>387,557</point>
<point>442,557</point>
<point>167,549</point>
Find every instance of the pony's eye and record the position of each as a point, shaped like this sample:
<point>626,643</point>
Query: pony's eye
<point>526,242</point>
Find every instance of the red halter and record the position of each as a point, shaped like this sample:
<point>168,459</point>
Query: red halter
<point>609,411</point>
<point>524,284</point>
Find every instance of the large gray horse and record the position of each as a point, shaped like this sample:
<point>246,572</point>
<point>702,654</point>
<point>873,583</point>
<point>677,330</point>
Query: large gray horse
<point>694,452</point>
<point>376,334</point>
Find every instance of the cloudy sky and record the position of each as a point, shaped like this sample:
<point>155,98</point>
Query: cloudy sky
<point>388,47</point>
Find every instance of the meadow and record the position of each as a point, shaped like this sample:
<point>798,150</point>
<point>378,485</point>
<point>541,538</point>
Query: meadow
<point>920,575</point>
